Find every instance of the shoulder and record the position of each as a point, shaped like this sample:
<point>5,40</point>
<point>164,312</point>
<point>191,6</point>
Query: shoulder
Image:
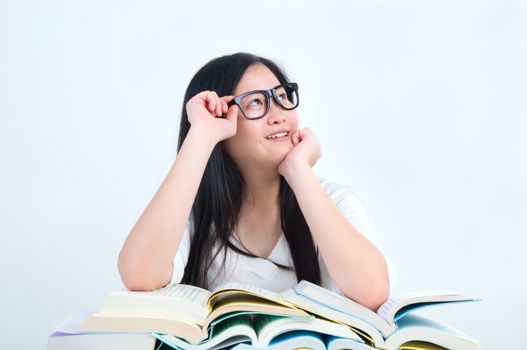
<point>338,192</point>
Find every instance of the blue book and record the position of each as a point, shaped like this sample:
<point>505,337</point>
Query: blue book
<point>393,324</point>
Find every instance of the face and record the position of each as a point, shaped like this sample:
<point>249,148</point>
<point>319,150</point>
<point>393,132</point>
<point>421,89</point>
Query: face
<point>250,146</point>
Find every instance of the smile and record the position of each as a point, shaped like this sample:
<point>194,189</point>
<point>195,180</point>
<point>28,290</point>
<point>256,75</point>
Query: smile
<point>278,135</point>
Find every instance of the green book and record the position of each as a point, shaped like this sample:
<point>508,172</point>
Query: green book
<point>264,331</point>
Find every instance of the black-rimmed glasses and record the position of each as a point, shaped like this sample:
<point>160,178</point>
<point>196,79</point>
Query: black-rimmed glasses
<point>256,104</point>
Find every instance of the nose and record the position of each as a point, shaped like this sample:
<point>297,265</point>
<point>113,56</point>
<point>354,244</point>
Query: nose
<point>276,114</point>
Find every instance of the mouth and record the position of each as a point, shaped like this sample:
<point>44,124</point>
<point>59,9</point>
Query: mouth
<point>279,136</point>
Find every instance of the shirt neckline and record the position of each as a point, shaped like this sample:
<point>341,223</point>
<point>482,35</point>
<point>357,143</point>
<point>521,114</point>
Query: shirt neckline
<point>273,251</point>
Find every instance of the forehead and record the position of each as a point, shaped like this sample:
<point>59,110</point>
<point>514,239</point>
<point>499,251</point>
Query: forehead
<point>256,77</point>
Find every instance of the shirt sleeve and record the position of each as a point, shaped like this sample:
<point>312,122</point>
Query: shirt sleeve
<point>354,211</point>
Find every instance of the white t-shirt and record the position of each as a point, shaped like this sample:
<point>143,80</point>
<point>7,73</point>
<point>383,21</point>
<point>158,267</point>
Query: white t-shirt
<point>263,272</point>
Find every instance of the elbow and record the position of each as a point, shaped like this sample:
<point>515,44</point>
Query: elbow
<point>140,284</point>
<point>378,292</point>
<point>373,296</point>
<point>135,278</point>
<point>377,296</point>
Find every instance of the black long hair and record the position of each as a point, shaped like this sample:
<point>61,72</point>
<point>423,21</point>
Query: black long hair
<point>217,204</point>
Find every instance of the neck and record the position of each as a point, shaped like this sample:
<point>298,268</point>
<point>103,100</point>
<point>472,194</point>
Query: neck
<point>261,191</point>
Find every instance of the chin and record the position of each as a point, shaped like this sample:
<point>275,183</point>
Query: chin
<point>275,155</point>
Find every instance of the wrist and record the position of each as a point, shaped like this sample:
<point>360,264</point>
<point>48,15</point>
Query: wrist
<point>201,136</point>
<point>295,172</point>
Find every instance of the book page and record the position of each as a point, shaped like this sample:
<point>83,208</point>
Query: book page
<point>228,332</point>
<point>71,325</point>
<point>269,326</point>
<point>413,328</point>
<point>365,329</point>
<point>229,290</point>
<point>397,306</point>
<point>337,302</point>
<point>418,345</point>
<point>177,291</point>
<point>387,308</point>
<point>250,289</point>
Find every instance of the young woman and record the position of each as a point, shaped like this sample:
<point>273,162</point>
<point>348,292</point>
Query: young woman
<point>242,203</point>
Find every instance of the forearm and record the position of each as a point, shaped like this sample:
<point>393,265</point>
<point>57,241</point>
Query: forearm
<point>354,263</point>
<point>145,261</point>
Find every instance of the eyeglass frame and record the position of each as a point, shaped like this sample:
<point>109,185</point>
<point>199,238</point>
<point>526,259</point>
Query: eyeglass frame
<point>268,94</point>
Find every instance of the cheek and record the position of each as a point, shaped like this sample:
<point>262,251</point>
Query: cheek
<point>246,137</point>
<point>249,132</point>
<point>293,121</point>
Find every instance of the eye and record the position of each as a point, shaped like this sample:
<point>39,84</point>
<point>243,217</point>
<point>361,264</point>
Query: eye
<point>282,96</point>
<point>255,102</point>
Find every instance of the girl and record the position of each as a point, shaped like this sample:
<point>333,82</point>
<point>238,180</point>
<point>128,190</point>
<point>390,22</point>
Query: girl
<point>242,203</point>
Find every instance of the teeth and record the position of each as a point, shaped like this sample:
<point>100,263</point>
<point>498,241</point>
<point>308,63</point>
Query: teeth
<point>275,136</point>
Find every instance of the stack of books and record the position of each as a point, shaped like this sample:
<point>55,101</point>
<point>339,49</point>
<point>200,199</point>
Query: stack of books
<point>240,316</point>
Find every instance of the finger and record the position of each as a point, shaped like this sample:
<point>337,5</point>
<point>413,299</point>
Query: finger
<point>293,138</point>
<point>296,138</point>
<point>228,108</point>
<point>213,106</point>
<point>302,132</point>
<point>215,98</point>
<point>216,106</point>
<point>214,103</point>
<point>210,102</point>
<point>204,97</point>
<point>203,94</point>
<point>219,107</point>
<point>232,114</point>
<point>224,107</point>
<point>227,99</point>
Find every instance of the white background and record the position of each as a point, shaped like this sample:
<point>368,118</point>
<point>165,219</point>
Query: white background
<point>420,107</point>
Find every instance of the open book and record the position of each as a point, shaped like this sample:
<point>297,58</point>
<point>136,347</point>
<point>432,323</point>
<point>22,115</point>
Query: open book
<point>315,341</point>
<point>262,331</point>
<point>192,318</point>
<point>184,309</point>
<point>392,326</point>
